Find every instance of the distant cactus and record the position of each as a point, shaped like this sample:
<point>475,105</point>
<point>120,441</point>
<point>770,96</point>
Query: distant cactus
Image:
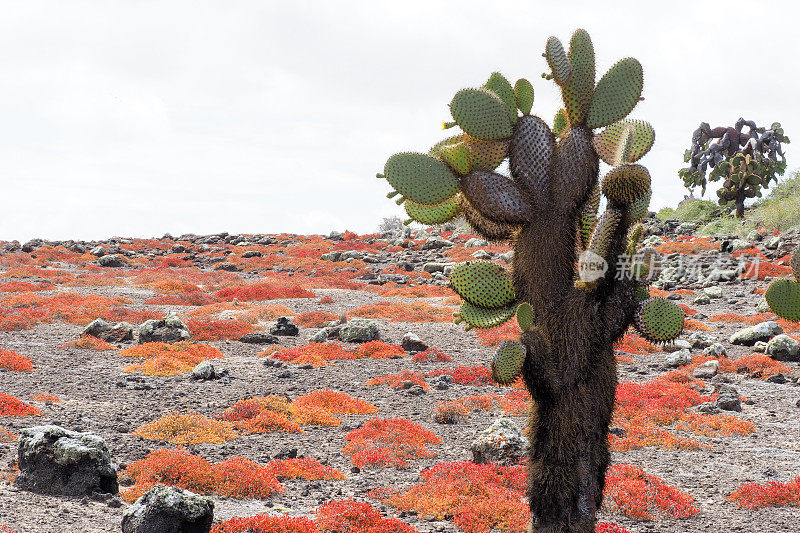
<point>783,295</point>
<point>571,306</point>
<point>745,162</point>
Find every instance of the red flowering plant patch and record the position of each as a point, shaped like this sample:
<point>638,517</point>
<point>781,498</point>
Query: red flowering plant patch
<point>21,318</point>
<point>687,246</point>
<point>266,524</point>
<point>79,309</point>
<point>24,286</point>
<point>769,494</point>
<point>11,360</point>
<point>645,497</point>
<point>762,269</point>
<point>11,406</point>
<point>217,330</point>
<point>477,497</point>
<point>393,442</point>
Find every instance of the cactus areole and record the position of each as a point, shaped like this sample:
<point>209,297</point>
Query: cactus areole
<point>567,287</point>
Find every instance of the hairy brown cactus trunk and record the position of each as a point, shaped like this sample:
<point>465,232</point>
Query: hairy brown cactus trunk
<point>740,203</point>
<point>570,369</point>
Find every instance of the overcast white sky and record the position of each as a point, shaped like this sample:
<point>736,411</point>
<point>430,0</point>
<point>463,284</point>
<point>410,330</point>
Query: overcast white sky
<point>138,118</point>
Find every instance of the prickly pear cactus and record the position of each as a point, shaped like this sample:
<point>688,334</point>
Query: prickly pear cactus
<point>783,295</point>
<point>745,162</point>
<point>575,283</point>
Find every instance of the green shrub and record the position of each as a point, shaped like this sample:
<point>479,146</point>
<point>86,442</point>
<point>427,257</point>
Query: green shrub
<point>781,209</point>
<point>696,211</point>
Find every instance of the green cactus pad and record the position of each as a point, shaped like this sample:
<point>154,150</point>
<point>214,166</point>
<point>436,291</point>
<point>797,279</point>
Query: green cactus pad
<point>523,91</point>
<point>481,114</point>
<point>525,316</point>
<point>796,264</point>
<point>642,293</point>
<point>634,237</point>
<point>487,155</point>
<point>557,60</point>
<point>560,123</point>
<point>433,214</point>
<point>421,178</point>
<point>500,86</point>
<point>455,139</point>
<point>626,183</point>
<point>625,141</point>
<point>588,216</point>
<point>659,320</point>
<point>507,362</point>
<point>482,283</point>
<point>604,231</point>
<point>616,94</point>
<point>457,157</point>
<point>577,94</point>
<point>783,297</point>
<point>638,209</point>
<point>480,317</point>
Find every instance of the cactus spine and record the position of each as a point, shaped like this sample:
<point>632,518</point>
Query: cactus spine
<point>569,319</point>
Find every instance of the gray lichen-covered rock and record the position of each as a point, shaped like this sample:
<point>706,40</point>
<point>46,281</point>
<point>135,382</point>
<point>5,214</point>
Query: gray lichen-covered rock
<point>412,343</point>
<point>169,510</point>
<point>205,370</point>
<point>169,329</point>
<point>701,339</point>
<point>502,442</point>
<point>359,330</point>
<point>109,331</point>
<point>783,348</point>
<point>760,332</point>
<point>716,350</point>
<point>112,261</point>
<point>54,460</point>
<point>678,358</point>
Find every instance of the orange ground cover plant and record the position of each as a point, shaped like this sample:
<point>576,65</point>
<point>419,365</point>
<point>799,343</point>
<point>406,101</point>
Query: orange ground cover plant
<point>46,398</point>
<point>769,494</point>
<point>645,497</point>
<point>7,436</point>
<point>415,291</point>
<point>687,246</point>
<point>263,290</point>
<point>264,523</point>
<point>315,353</point>
<point>11,406</point>
<point>378,350</point>
<point>164,359</point>
<point>262,414</point>
<point>477,497</point>
<point>236,477</point>
<point>349,516</point>
<point>383,443</point>
<point>695,325</point>
<point>192,428</point>
<point>405,312</point>
<point>403,379</point>
<point>714,425</point>
<point>79,309</point>
<point>762,269</point>
<point>217,330</point>
<point>20,318</point>
<point>319,407</point>
<point>24,286</point>
<point>314,319</point>
<point>11,360</point>
<point>633,343</point>
<point>325,300</point>
<point>760,366</point>
<point>89,342</point>
<point>465,375</point>
<point>431,355</point>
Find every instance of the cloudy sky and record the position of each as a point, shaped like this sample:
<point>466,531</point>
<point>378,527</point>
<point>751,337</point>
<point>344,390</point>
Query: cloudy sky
<point>138,118</point>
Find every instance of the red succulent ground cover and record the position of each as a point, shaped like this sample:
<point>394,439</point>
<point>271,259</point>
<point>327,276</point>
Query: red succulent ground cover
<point>645,497</point>
<point>393,442</point>
<point>11,360</point>
<point>11,406</point>
<point>769,494</point>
